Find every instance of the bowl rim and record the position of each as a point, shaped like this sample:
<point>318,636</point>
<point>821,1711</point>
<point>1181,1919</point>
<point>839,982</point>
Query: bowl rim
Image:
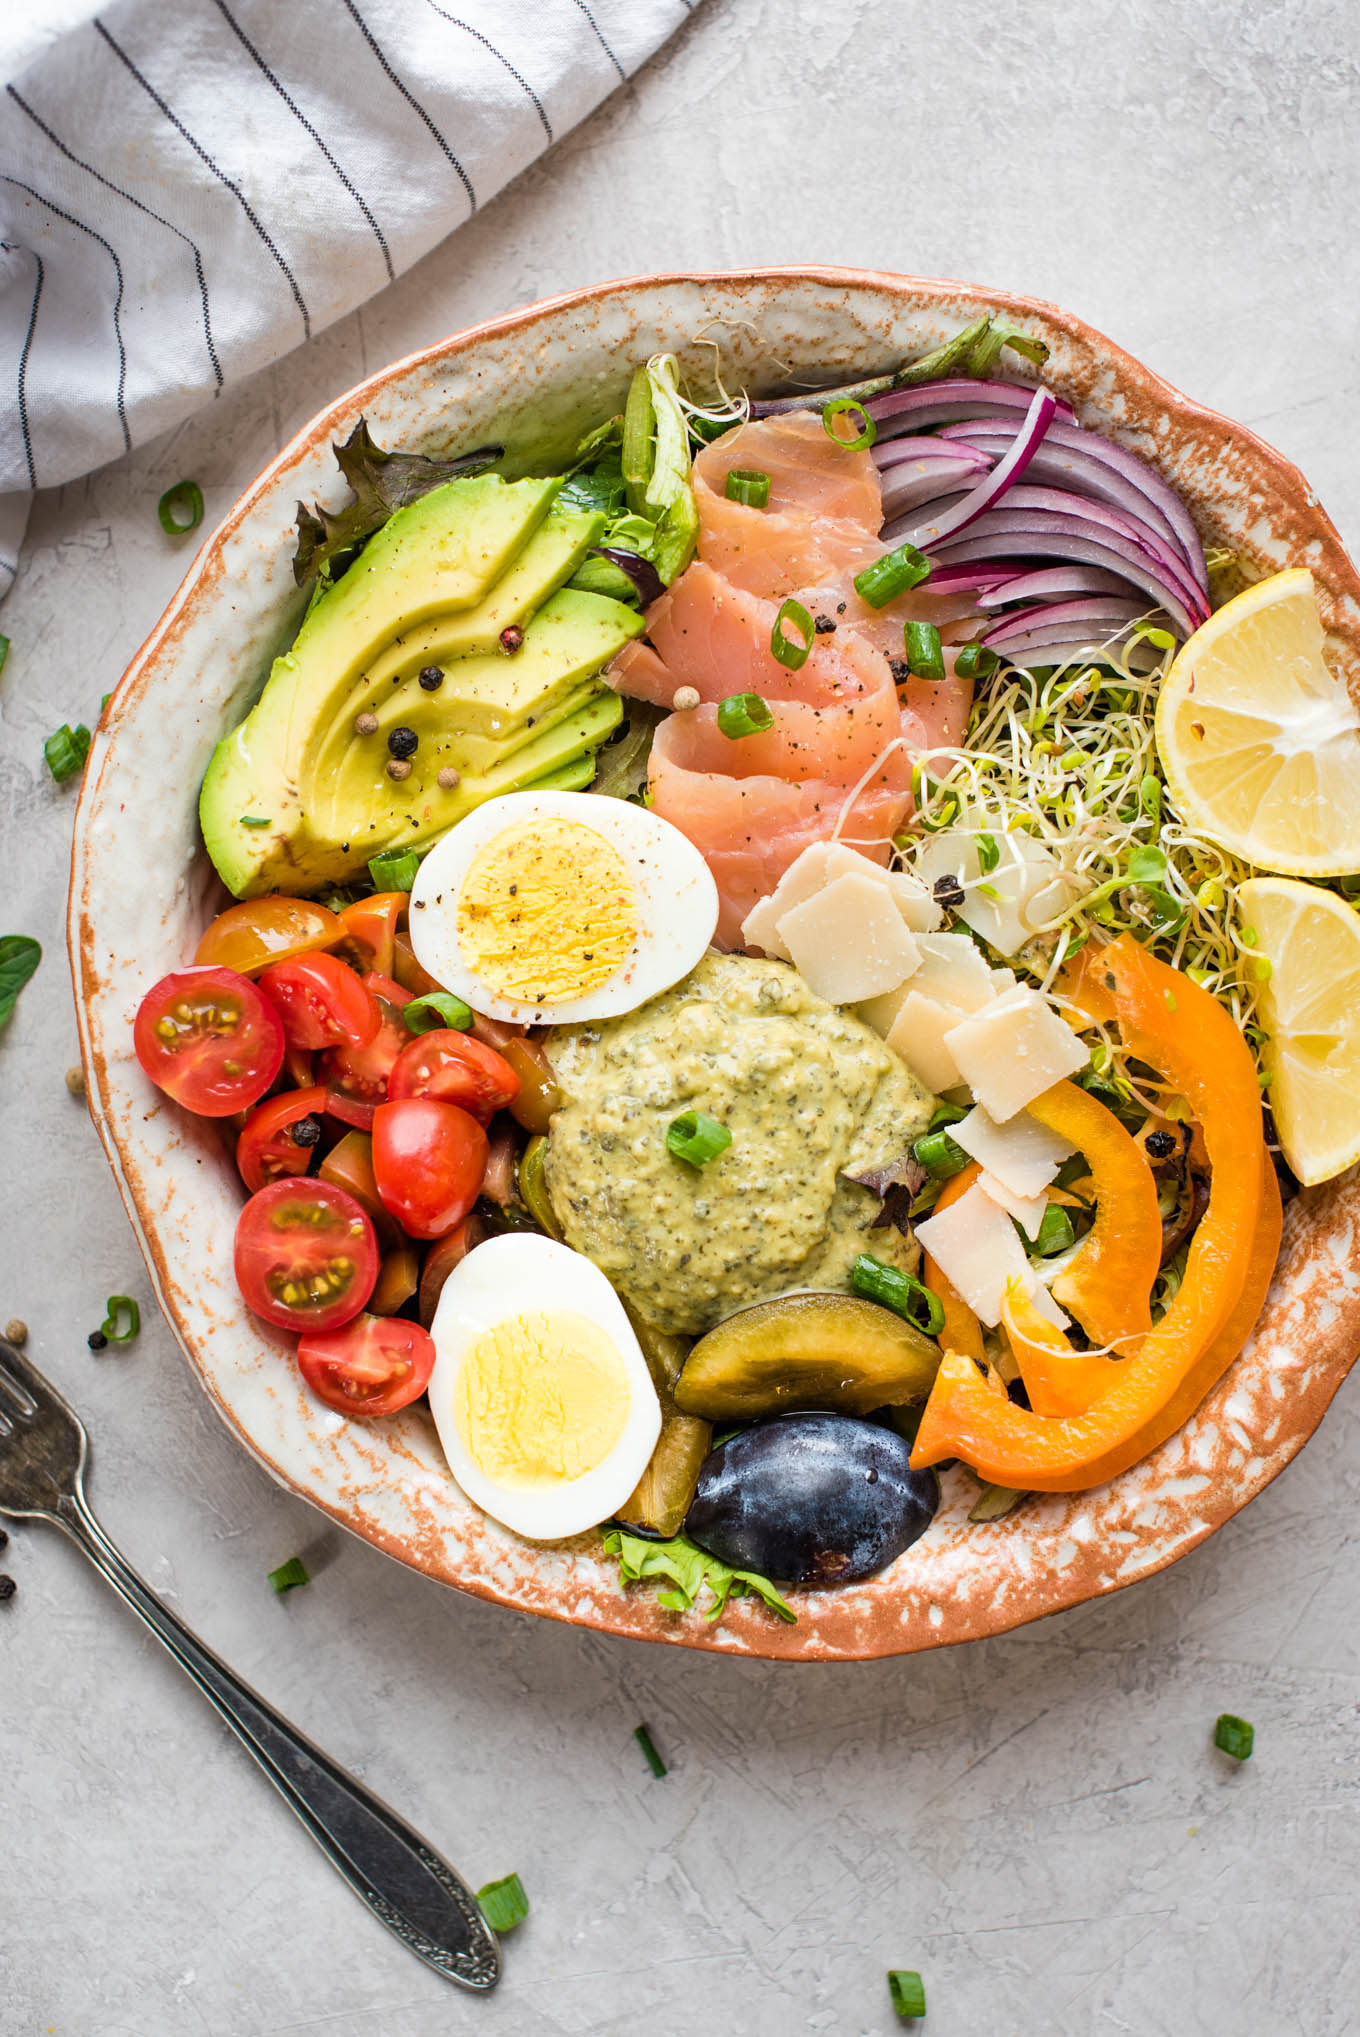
<point>763,1638</point>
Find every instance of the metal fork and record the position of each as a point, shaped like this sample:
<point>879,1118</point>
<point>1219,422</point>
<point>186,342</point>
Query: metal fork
<point>44,1450</point>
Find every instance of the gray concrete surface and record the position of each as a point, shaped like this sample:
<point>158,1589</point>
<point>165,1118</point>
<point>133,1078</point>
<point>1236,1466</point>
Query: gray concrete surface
<point>1039,1824</point>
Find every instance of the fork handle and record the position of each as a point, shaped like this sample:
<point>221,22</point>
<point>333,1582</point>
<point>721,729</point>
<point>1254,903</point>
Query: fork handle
<point>403,1881</point>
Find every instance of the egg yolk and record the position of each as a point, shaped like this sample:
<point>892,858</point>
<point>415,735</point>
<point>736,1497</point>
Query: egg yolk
<point>541,1399</point>
<point>547,912</point>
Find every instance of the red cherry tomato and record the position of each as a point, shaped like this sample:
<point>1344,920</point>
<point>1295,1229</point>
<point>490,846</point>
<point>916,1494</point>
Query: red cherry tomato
<point>321,1002</point>
<point>443,1255</point>
<point>208,1038</point>
<point>374,1366</point>
<point>266,1149</point>
<point>306,1255</point>
<point>429,1159</point>
<point>356,1077</point>
<point>297,1067</point>
<point>371,924</point>
<point>457,1069</point>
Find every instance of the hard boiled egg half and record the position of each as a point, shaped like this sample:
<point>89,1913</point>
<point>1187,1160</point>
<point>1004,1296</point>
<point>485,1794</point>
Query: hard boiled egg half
<point>540,1392</point>
<point>552,907</point>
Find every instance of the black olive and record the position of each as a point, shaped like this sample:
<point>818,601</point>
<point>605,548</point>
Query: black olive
<point>305,1132</point>
<point>948,893</point>
<point>431,677</point>
<point>403,742</point>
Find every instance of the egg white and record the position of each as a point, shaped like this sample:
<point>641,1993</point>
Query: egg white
<point>511,1276</point>
<point>677,903</point>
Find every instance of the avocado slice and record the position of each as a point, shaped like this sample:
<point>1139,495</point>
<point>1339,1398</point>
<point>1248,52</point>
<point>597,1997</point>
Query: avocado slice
<point>437,585</point>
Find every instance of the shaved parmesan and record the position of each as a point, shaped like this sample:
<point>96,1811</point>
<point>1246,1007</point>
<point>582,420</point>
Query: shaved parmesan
<point>1022,1155</point>
<point>918,1034</point>
<point>849,941</point>
<point>812,871</point>
<point>1009,902</point>
<point>974,1244</point>
<point>1012,1051</point>
<point>1028,1210</point>
<point>952,973</point>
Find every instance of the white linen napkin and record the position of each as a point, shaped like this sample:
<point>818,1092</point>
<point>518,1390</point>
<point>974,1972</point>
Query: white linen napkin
<point>190,188</point>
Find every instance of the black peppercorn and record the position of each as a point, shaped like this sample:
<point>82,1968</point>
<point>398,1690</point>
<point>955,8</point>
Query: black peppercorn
<point>900,669</point>
<point>431,677</point>
<point>403,742</point>
<point>7,1588</point>
<point>948,893</point>
<point>1161,1145</point>
<point>512,639</point>
<point>96,1340</point>
<point>305,1132</point>
<point>824,624</point>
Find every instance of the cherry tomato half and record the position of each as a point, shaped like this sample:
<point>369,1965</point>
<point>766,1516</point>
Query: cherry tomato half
<point>258,931</point>
<point>371,924</point>
<point>208,1038</point>
<point>443,1255</point>
<point>349,1164</point>
<point>398,1279</point>
<point>267,1149</point>
<point>539,1094</point>
<point>306,1255</point>
<point>356,1077</point>
<point>417,982</point>
<point>457,1069</point>
<point>374,1366</point>
<point>321,1002</point>
<point>428,1159</point>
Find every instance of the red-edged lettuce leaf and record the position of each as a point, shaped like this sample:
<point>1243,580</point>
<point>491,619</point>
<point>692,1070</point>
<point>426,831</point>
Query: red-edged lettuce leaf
<point>382,482</point>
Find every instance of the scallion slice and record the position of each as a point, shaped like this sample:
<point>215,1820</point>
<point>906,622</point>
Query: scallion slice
<point>787,649</point>
<point>289,1575</point>
<point>122,1309</point>
<point>940,1155</point>
<point>925,657</point>
<point>1234,1736</point>
<point>4,653</point>
<point>748,485</point>
<point>253,820</point>
<point>1055,1232</point>
<point>180,509</point>
<point>908,1993</point>
<point>696,1137</point>
<point>891,1288</point>
<point>648,1746</point>
<point>440,1008</point>
<point>66,750</point>
<point>503,1903</point>
<point>976,661</point>
<point>946,1114</point>
<point>744,714</point>
<point>394,869</point>
<point>895,573</point>
<point>866,431</point>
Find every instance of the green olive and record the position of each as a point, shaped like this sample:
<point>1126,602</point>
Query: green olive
<point>807,1351</point>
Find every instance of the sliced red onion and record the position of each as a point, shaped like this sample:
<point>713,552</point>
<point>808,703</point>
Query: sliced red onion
<point>643,574</point>
<point>1049,583</point>
<point>923,447</point>
<point>927,532</point>
<point>1057,649</point>
<point>1062,502</point>
<point>1098,617</point>
<point>1112,552</point>
<point>902,410</point>
<point>961,579</point>
<point>913,482</point>
<point>1092,521</point>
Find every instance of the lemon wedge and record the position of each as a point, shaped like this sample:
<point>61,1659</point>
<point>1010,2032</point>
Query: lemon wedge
<point>1310,1009</point>
<point>1259,741</point>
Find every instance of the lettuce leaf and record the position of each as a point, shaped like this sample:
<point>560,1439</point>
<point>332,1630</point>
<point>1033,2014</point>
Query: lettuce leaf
<point>382,482</point>
<point>690,1569</point>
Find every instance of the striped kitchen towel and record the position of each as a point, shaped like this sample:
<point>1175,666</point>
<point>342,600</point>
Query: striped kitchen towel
<point>188,188</point>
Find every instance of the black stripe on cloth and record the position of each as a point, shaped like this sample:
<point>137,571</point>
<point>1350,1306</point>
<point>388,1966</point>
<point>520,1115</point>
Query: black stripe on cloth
<point>600,38</point>
<point>486,43</point>
<point>12,248</point>
<point>71,220</point>
<point>297,113</point>
<point>208,163</point>
<point>109,185</point>
<point>411,99</point>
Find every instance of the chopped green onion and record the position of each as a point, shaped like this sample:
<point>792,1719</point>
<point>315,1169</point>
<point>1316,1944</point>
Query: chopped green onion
<point>103,703</point>
<point>895,573</point>
<point>866,431</point>
<point>1055,1232</point>
<point>394,869</point>
<point>648,1746</point>
<point>503,1903</point>
<point>440,1008</point>
<point>787,649</point>
<point>940,1155</point>
<point>744,714</point>
<point>947,1114</point>
<point>925,656</point>
<point>253,820</point>
<point>121,1305</point>
<point>988,853</point>
<point>748,485</point>
<point>4,653</point>
<point>908,1993</point>
<point>872,1280</point>
<point>976,661</point>
<point>289,1575</point>
<point>696,1137</point>
<point>1234,1736</point>
<point>66,751</point>
<point>180,509</point>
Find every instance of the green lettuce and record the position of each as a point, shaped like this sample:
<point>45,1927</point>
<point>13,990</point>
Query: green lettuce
<point>689,1569</point>
<point>382,482</point>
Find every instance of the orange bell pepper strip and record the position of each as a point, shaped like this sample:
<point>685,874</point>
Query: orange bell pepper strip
<point>1169,1022</point>
<point>1107,1283</point>
<point>962,1331</point>
<point>1059,1379</point>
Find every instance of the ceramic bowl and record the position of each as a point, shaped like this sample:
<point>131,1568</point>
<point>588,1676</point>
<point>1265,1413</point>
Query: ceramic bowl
<point>142,890</point>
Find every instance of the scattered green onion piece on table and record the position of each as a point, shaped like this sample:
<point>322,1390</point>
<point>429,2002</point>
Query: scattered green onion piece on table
<point>940,1155</point>
<point>20,955</point>
<point>1234,1736</point>
<point>66,751</point>
<point>988,853</point>
<point>440,1008</point>
<point>895,573</point>
<point>696,1137</point>
<point>749,486</point>
<point>289,1575</point>
<point>866,431</point>
<point>976,661</point>
<point>503,1903</point>
<point>744,714</point>
<point>254,820</point>
<point>786,648</point>
<point>872,1280</point>
<point>394,869</point>
<point>180,509</point>
<point>648,1746</point>
<point>121,1306</point>
<point>925,655</point>
<point>908,1993</point>
<point>4,653</point>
